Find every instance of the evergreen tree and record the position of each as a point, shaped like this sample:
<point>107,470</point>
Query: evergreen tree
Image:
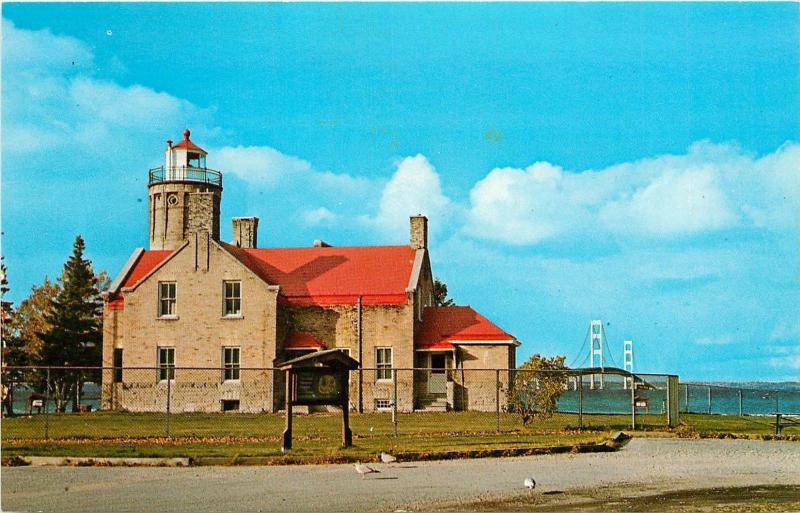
<point>440,294</point>
<point>75,334</point>
<point>11,354</point>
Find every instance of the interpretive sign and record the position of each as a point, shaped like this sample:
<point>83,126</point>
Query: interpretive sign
<point>318,378</point>
<point>318,385</point>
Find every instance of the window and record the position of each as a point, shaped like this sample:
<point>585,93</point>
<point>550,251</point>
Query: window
<point>230,405</point>
<point>383,363</point>
<point>232,304</point>
<point>166,298</point>
<point>117,365</point>
<point>166,363</point>
<point>230,363</point>
<point>383,404</point>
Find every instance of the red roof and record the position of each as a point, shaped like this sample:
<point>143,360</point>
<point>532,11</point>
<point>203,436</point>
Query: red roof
<point>302,341</point>
<point>314,276</point>
<point>146,263</point>
<point>188,144</point>
<point>333,275</point>
<point>446,324</point>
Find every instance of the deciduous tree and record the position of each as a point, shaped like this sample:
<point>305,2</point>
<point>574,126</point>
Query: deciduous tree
<point>536,386</point>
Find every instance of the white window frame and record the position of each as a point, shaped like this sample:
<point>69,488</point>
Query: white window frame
<point>166,369</point>
<point>383,367</point>
<point>225,298</point>
<point>231,368</point>
<point>162,300</point>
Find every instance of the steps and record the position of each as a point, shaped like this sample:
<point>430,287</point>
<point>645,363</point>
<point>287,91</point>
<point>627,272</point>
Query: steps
<point>431,402</point>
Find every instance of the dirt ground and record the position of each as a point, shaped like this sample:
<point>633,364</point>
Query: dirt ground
<point>648,475</point>
<point>766,498</point>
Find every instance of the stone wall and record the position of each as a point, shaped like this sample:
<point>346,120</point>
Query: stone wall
<point>177,209</point>
<point>198,331</point>
<point>381,326</point>
<point>475,387</point>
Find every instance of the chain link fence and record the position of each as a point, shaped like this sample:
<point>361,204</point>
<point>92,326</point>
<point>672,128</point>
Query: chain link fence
<point>120,403</point>
<point>717,399</point>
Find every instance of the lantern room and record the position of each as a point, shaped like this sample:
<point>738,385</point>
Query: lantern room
<point>185,154</point>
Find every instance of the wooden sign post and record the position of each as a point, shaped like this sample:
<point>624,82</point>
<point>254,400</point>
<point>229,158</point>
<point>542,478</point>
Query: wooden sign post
<point>320,378</point>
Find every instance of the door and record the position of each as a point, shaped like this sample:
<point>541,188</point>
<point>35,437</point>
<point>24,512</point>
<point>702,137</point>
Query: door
<point>437,382</point>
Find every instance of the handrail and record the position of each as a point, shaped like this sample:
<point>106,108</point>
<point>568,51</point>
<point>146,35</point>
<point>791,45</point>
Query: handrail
<point>184,174</point>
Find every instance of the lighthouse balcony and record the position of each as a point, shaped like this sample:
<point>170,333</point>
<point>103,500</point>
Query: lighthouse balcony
<point>163,174</point>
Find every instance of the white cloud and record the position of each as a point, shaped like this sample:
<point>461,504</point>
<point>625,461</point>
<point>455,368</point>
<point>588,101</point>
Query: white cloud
<point>259,164</point>
<point>675,203</point>
<point>712,187</point>
<point>318,216</point>
<point>52,102</point>
<point>29,50</point>
<point>415,188</point>
<point>524,206</point>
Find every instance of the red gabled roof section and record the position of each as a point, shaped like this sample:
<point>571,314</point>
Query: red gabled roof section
<point>146,263</point>
<point>302,341</point>
<point>333,275</point>
<point>441,326</point>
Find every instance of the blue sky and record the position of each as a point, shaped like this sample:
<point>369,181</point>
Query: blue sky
<point>638,163</point>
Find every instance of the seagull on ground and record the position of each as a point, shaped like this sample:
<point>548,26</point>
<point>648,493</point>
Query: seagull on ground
<point>365,469</point>
<point>529,483</point>
<point>388,458</point>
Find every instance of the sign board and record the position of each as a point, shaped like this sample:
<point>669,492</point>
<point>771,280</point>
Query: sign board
<point>318,385</point>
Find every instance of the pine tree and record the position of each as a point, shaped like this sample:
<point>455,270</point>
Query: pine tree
<point>11,353</point>
<point>75,334</point>
<point>440,294</point>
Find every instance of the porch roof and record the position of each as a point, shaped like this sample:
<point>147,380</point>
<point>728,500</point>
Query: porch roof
<point>442,327</point>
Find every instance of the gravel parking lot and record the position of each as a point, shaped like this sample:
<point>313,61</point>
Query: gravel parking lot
<point>645,466</point>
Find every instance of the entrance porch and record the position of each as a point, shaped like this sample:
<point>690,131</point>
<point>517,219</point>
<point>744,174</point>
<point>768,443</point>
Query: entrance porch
<point>433,380</point>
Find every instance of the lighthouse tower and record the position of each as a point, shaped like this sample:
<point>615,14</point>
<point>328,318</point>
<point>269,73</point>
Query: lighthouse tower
<point>184,196</point>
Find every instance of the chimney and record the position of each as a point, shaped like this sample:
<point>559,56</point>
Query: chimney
<point>245,232</point>
<point>419,232</point>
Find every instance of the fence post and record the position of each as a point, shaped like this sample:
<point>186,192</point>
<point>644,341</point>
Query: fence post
<point>394,401</point>
<point>46,402</point>
<point>740,403</point>
<point>709,400</point>
<point>169,398</point>
<point>686,390</point>
<point>497,398</point>
<point>633,408</point>
<point>579,382</point>
<point>777,424</point>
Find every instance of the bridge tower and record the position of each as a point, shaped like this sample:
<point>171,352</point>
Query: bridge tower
<point>596,356</point>
<point>627,362</point>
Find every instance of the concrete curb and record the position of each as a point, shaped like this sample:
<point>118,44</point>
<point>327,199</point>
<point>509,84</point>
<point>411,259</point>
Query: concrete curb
<point>69,461</point>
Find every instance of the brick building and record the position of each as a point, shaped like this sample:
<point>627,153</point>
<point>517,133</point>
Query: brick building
<point>192,300</point>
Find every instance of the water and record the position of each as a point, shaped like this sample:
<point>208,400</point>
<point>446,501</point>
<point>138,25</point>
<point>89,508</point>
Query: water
<point>724,401</point>
<point>90,396</point>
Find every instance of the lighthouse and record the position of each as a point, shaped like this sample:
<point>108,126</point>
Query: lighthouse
<point>184,196</point>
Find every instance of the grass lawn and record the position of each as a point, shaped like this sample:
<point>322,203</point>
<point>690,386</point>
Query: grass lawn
<point>317,437</point>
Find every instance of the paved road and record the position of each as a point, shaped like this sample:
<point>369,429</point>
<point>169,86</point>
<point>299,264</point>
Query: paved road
<point>647,464</point>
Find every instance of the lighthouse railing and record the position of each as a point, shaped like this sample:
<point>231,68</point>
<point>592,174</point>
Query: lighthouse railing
<point>185,174</point>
